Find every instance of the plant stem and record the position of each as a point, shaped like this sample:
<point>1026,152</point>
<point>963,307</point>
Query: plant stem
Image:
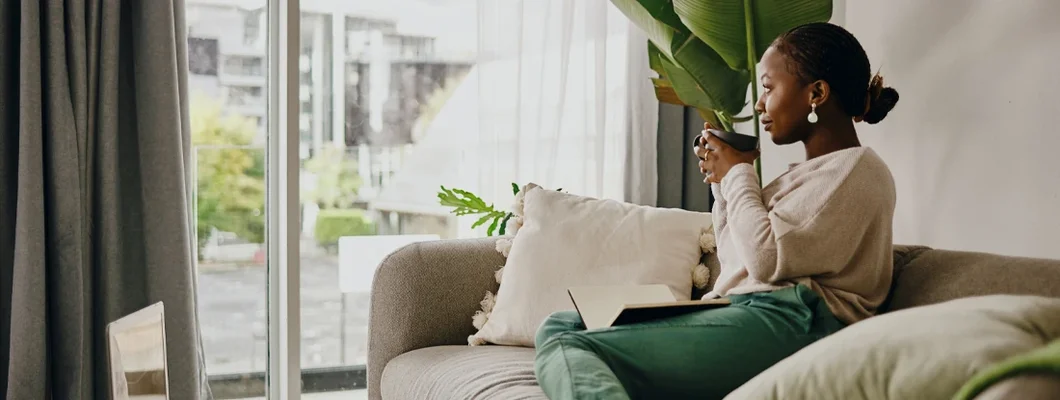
<point>752,60</point>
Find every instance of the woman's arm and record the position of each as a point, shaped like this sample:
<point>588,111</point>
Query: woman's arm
<point>751,229</point>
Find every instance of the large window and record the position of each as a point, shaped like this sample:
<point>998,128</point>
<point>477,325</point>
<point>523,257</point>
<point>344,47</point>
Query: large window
<point>373,78</point>
<point>228,108</point>
<point>374,75</point>
<point>323,129</point>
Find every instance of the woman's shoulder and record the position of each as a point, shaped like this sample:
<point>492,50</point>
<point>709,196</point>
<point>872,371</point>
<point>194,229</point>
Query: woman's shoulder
<point>857,174</point>
<point>828,170</point>
<point>870,179</point>
<point>853,164</point>
<point>872,165</point>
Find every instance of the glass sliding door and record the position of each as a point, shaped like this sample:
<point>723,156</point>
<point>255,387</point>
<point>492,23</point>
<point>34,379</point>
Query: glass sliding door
<point>377,81</point>
<point>228,87</point>
<point>317,127</point>
<point>242,59</point>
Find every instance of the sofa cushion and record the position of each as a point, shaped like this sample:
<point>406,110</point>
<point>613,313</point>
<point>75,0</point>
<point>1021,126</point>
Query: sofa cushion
<point>920,353</point>
<point>462,372</point>
<point>934,276</point>
<point>567,240</point>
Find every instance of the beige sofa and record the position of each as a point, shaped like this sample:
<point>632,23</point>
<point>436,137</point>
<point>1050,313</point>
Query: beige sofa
<point>424,295</point>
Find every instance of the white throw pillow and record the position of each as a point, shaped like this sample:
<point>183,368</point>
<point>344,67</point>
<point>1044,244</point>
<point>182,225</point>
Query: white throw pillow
<point>925,352</point>
<point>564,240</point>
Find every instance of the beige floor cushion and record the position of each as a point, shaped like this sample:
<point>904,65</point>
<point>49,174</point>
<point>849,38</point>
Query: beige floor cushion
<point>918,353</point>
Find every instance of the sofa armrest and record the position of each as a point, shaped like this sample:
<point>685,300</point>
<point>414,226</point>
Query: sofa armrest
<point>424,295</point>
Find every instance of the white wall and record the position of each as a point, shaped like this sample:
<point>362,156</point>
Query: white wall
<point>973,142</point>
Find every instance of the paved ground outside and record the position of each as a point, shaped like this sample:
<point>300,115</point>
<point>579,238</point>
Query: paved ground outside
<point>233,315</point>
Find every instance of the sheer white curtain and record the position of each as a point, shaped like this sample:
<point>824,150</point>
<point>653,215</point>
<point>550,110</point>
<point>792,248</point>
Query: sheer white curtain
<point>564,100</point>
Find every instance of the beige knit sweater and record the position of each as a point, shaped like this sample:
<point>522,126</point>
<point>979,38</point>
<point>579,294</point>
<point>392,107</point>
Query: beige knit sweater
<point>826,224</point>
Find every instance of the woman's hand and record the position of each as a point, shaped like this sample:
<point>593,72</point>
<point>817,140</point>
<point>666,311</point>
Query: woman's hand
<point>717,157</point>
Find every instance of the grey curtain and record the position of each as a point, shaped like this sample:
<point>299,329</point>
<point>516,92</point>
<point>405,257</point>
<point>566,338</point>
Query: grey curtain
<point>94,220</point>
<point>680,183</point>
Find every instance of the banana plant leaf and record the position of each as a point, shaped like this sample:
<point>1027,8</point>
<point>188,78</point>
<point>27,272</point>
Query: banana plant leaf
<point>666,94</point>
<point>724,89</point>
<point>719,87</point>
<point>702,37</point>
<point>705,51</point>
<point>722,24</point>
<point>658,32</point>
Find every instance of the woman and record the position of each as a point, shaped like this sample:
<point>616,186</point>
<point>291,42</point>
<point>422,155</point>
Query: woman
<point>800,258</point>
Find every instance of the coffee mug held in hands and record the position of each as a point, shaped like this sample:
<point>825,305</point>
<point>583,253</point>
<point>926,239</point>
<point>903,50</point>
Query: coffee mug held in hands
<point>738,141</point>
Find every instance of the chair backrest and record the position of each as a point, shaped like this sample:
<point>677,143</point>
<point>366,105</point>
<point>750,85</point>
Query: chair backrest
<point>136,349</point>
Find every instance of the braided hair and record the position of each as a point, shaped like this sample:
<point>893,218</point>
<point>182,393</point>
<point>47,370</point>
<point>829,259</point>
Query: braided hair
<point>823,51</point>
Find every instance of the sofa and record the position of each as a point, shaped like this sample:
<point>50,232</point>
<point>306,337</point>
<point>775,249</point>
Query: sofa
<point>424,294</point>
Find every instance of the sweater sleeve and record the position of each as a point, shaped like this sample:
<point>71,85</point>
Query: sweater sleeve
<point>806,232</point>
<point>717,211</point>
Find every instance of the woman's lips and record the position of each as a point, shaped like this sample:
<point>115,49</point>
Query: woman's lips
<point>767,123</point>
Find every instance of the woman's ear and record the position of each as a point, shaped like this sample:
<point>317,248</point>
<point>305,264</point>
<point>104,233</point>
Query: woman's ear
<point>820,92</point>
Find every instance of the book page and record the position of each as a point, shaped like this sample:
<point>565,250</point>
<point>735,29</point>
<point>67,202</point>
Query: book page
<point>598,305</point>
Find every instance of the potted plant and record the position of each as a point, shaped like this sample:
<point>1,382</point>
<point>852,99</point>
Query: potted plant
<point>705,51</point>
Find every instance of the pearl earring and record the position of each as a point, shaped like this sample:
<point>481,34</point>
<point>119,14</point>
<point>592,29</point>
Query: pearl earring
<point>813,113</point>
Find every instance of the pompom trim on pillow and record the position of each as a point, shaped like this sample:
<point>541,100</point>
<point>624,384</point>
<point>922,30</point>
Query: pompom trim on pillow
<point>504,246</point>
<point>488,302</point>
<point>515,224</point>
<point>479,319</point>
<point>700,276</point>
<point>518,211</point>
<point>707,241</point>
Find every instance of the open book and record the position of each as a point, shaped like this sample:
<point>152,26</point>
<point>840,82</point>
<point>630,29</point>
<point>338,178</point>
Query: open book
<point>607,306</point>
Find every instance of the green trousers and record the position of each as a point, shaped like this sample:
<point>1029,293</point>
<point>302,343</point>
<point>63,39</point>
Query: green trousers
<point>701,355</point>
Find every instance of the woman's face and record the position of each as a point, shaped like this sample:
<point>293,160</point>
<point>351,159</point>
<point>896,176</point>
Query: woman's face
<point>784,102</point>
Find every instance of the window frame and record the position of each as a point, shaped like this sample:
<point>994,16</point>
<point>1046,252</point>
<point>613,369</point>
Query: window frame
<point>284,370</point>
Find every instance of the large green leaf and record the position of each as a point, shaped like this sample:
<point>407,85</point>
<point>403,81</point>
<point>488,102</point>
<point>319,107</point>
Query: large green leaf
<point>705,80</point>
<point>663,11</point>
<point>712,117</point>
<point>666,94</point>
<point>658,32</point>
<point>654,59</point>
<point>692,93</point>
<point>703,70</point>
<point>721,23</point>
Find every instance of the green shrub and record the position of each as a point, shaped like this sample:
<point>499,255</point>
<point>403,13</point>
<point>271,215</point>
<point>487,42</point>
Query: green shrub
<point>333,223</point>
<point>230,174</point>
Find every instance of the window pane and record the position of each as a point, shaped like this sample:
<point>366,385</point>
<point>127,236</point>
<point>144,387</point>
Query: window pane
<point>227,84</point>
<point>376,77</point>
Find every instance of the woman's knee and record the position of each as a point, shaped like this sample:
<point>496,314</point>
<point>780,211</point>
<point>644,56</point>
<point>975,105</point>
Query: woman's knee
<point>561,342</point>
<point>558,322</point>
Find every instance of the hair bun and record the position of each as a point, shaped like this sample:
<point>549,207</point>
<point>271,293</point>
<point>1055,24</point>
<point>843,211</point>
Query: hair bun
<point>881,100</point>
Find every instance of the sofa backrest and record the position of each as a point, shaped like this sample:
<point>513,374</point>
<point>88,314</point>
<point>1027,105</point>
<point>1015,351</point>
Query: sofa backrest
<point>925,276</point>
